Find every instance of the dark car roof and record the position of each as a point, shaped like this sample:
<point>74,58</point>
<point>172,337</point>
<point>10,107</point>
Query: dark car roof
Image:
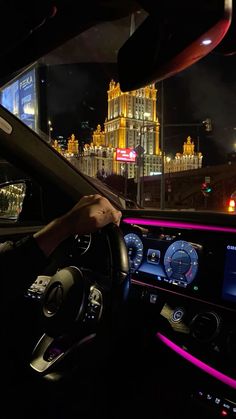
<point>31,31</point>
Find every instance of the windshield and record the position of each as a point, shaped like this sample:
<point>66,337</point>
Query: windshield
<point>167,145</point>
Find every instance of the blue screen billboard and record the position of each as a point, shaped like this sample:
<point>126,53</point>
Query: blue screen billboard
<point>20,98</point>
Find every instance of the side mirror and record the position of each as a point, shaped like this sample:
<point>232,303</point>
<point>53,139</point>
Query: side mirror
<point>173,37</point>
<point>12,196</point>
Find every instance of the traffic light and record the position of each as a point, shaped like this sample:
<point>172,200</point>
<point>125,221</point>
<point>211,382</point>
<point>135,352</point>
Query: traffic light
<point>206,188</point>
<point>208,124</point>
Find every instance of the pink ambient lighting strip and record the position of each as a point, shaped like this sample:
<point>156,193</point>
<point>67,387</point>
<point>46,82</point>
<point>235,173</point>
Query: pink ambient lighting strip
<point>195,361</point>
<point>178,224</point>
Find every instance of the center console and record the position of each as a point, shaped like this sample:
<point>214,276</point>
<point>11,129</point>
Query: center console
<point>193,268</point>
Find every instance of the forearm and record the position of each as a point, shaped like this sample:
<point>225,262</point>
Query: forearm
<point>50,236</point>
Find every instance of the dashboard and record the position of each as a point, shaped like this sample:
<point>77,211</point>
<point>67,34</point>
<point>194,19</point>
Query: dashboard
<point>188,271</point>
<point>193,262</point>
<point>183,282</point>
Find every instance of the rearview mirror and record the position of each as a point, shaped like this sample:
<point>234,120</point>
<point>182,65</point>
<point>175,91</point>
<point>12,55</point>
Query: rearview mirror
<point>173,37</point>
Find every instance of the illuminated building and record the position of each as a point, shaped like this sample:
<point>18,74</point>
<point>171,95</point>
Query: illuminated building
<point>57,146</point>
<point>62,142</point>
<point>98,137</point>
<point>132,118</point>
<point>188,160</point>
<point>95,160</point>
<point>131,122</point>
<point>72,145</point>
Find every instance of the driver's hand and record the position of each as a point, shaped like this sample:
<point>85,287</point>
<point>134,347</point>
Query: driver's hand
<point>91,213</point>
<point>88,215</point>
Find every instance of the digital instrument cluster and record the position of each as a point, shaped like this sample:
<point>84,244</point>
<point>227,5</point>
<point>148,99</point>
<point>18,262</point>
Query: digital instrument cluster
<point>166,258</point>
<point>188,262</point>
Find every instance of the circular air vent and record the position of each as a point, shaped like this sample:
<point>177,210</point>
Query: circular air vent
<point>205,326</point>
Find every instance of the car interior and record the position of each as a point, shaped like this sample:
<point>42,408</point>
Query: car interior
<point>138,319</point>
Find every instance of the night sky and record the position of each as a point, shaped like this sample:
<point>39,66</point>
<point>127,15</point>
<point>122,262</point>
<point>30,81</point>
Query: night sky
<point>78,93</point>
<point>205,90</point>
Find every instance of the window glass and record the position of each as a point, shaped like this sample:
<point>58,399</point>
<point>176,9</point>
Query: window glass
<point>182,129</point>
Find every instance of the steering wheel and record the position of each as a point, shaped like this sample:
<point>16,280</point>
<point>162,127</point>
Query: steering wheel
<point>77,302</point>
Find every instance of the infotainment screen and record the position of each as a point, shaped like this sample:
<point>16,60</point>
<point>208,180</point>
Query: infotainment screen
<point>229,283</point>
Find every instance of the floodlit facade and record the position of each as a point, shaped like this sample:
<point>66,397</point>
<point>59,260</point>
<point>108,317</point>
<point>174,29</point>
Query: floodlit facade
<point>131,122</point>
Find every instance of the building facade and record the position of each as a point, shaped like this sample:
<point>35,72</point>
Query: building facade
<point>131,122</point>
<point>188,160</point>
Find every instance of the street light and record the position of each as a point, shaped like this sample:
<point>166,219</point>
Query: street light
<point>145,115</point>
<point>139,153</point>
<point>50,129</point>
<point>162,195</point>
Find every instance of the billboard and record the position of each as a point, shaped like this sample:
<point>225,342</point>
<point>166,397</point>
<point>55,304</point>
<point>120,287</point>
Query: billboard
<point>126,155</point>
<point>20,98</point>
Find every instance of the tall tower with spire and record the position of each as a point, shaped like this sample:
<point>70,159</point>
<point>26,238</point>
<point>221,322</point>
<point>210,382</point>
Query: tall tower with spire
<point>132,118</point>
<point>132,121</point>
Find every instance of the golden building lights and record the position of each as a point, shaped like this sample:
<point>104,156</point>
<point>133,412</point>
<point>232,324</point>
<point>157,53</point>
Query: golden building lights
<point>131,121</point>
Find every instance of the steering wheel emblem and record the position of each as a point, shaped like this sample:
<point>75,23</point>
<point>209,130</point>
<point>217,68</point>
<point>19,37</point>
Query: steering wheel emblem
<point>54,300</point>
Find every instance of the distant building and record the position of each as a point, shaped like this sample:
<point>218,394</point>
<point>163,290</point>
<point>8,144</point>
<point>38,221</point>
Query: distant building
<point>72,148</point>
<point>95,160</point>
<point>57,146</point>
<point>98,137</point>
<point>188,160</point>
<point>73,145</point>
<point>131,122</point>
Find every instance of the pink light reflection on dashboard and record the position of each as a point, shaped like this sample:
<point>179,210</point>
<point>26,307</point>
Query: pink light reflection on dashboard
<point>178,224</point>
<point>195,361</point>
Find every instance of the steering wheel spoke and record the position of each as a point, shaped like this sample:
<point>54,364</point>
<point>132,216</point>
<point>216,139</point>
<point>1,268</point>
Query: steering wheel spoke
<point>75,303</point>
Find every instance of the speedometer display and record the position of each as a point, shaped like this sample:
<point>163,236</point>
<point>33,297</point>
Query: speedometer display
<point>181,262</point>
<point>135,250</point>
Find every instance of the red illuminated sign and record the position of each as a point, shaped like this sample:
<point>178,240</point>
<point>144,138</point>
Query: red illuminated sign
<point>126,155</point>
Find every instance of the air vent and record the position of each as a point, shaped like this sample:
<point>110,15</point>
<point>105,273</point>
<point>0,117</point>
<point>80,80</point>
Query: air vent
<point>205,326</point>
